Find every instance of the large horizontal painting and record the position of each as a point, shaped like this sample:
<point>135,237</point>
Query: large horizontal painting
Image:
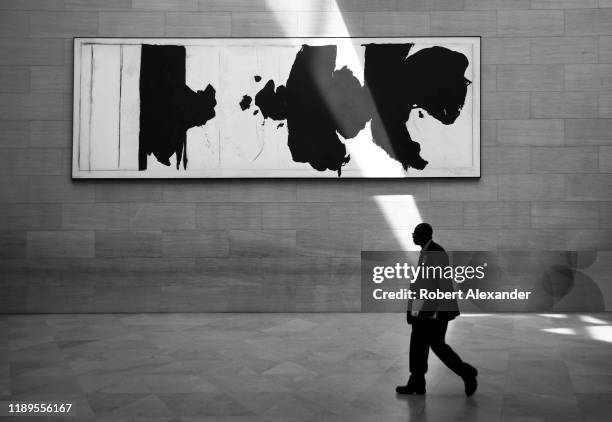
<point>276,107</point>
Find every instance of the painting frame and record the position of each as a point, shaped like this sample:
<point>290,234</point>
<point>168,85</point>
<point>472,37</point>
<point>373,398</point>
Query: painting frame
<point>474,171</point>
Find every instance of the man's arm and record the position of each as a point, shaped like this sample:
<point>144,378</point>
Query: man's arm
<point>435,259</point>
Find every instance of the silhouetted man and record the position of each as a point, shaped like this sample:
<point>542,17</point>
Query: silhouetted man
<point>429,319</point>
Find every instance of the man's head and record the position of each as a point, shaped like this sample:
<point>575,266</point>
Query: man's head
<point>422,234</point>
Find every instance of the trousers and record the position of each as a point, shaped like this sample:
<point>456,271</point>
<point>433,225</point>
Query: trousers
<point>431,333</point>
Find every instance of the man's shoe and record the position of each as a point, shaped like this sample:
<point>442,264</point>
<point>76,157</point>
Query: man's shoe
<point>469,379</point>
<point>413,387</point>
<point>406,389</point>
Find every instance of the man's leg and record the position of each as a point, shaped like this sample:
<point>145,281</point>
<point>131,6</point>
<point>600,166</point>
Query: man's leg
<point>451,359</point>
<point>446,354</point>
<point>419,349</point>
<point>419,352</point>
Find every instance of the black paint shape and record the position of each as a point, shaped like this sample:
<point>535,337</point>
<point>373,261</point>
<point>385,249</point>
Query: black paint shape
<point>431,79</point>
<point>280,125</point>
<point>349,105</point>
<point>257,78</point>
<point>255,112</point>
<point>310,120</point>
<point>440,86</point>
<point>245,103</point>
<point>168,107</point>
<point>386,81</point>
<point>271,102</point>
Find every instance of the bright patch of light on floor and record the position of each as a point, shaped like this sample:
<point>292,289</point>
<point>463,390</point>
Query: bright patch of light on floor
<point>592,320</point>
<point>566,331</point>
<point>600,333</point>
<point>558,316</point>
<point>475,315</point>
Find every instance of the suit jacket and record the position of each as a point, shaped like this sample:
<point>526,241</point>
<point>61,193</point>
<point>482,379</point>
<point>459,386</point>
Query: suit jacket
<point>443,309</point>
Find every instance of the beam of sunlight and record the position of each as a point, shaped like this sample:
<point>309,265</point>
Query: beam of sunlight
<point>360,147</point>
<point>285,21</point>
<point>400,211</point>
<point>402,214</point>
<point>566,331</point>
<point>592,320</point>
<point>600,333</point>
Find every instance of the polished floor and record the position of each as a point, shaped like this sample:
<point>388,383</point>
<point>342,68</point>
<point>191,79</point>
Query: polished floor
<point>303,367</point>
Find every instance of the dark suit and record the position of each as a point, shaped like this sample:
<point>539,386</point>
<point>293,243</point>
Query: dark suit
<point>430,324</point>
<point>434,255</point>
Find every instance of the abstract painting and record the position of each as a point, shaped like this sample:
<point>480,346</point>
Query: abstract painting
<point>276,107</point>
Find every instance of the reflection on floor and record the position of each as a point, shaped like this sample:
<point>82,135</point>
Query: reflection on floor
<point>315,367</point>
